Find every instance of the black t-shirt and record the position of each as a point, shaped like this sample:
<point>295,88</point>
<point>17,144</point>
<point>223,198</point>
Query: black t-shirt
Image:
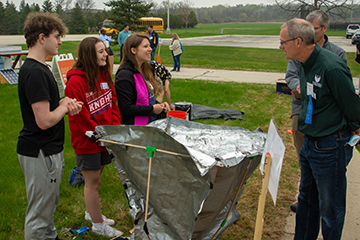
<point>37,83</point>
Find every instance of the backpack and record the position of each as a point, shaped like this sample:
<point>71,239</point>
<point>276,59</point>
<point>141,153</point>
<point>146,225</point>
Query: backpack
<point>182,49</point>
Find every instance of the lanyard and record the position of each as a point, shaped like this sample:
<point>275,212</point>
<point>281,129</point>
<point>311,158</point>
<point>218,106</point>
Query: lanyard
<point>309,111</point>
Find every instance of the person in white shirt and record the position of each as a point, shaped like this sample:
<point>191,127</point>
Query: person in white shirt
<point>106,39</point>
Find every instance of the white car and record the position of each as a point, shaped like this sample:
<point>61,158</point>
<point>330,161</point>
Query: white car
<point>351,29</point>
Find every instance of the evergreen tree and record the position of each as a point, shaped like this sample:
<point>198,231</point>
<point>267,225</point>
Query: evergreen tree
<point>34,7</point>
<point>77,23</point>
<point>193,22</point>
<point>91,21</point>
<point>62,8</point>
<point>2,16</point>
<point>11,19</point>
<point>47,6</point>
<point>24,10</point>
<point>99,18</point>
<point>59,10</point>
<point>129,12</point>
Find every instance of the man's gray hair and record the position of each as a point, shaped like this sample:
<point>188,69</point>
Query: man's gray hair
<point>300,28</point>
<point>319,15</point>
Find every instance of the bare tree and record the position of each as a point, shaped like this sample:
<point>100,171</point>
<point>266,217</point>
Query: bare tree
<point>62,8</point>
<point>63,4</point>
<point>185,8</point>
<point>300,8</point>
<point>86,5</point>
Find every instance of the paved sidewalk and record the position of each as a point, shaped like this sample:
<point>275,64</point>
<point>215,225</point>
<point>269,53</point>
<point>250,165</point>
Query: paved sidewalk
<point>224,75</point>
<point>230,76</point>
<point>352,221</point>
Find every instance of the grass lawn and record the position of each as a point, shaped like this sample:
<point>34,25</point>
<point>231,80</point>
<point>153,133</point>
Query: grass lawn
<point>259,102</point>
<point>237,28</point>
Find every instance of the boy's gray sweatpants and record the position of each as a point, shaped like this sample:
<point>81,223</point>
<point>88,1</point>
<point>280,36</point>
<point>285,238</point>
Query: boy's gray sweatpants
<point>42,178</point>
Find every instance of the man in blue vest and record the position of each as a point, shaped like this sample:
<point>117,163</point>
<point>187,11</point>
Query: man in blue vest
<point>154,40</point>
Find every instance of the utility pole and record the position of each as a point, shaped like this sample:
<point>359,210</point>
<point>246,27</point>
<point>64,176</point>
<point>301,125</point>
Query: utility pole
<point>352,5</point>
<point>168,19</point>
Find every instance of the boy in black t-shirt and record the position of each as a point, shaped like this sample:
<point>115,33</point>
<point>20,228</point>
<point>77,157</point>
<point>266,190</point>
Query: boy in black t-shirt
<point>40,144</point>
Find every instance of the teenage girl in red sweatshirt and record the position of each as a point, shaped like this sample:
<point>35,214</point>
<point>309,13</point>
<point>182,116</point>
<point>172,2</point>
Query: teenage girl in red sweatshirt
<point>89,81</point>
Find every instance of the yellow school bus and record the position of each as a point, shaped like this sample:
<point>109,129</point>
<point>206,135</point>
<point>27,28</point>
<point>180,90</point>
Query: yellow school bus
<point>109,27</point>
<point>156,22</point>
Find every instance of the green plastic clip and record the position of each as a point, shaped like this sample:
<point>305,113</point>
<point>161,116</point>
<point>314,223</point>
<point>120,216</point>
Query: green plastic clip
<point>223,223</point>
<point>151,150</point>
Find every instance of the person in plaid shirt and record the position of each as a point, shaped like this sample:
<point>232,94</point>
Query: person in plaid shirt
<point>162,77</point>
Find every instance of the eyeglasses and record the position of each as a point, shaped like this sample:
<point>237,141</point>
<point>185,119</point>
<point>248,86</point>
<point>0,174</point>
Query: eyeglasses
<point>317,28</point>
<point>283,42</point>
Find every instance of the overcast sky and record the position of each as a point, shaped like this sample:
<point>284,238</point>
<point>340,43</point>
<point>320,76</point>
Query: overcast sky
<point>197,3</point>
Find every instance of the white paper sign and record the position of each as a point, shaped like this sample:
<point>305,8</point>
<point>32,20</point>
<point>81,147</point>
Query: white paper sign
<point>276,147</point>
<point>160,41</point>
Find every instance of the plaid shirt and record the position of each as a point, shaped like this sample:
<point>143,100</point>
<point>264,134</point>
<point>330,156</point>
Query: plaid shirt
<point>160,71</point>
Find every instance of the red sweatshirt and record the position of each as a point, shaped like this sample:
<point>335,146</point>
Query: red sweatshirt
<point>99,109</point>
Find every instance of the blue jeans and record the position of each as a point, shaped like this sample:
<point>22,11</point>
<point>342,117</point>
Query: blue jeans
<point>153,53</point>
<point>177,62</point>
<point>322,195</point>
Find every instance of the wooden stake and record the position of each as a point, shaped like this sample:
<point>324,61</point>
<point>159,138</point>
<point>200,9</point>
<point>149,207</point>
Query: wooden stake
<point>148,190</point>
<point>142,147</point>
<point>260,212</point>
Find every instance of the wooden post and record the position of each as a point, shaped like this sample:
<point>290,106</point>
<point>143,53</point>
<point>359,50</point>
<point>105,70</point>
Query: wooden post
<point>148,190</point>
<point>260,212</point>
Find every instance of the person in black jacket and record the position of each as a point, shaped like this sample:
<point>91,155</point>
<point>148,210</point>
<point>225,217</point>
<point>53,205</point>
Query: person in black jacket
<point>135,85</point>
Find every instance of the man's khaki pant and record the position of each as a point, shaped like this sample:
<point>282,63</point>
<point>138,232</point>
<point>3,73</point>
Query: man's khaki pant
<point>297,136</point>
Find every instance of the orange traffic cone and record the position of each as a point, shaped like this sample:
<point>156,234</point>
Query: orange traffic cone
<point>48,57</point>
<point>158,59</point>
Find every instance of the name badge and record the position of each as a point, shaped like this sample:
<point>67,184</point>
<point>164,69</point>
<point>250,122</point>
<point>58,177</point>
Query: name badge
<point>310,90</point>
<point>104,86</point>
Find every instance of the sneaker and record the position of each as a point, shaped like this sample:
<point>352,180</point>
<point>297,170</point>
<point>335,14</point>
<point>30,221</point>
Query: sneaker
<point>106,220</point>
<point>105,230</point>
<point>293,207</point>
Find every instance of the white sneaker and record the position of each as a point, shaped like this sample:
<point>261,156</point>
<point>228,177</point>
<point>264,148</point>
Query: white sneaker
<point>105,219</point>
<point>105,230</point>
